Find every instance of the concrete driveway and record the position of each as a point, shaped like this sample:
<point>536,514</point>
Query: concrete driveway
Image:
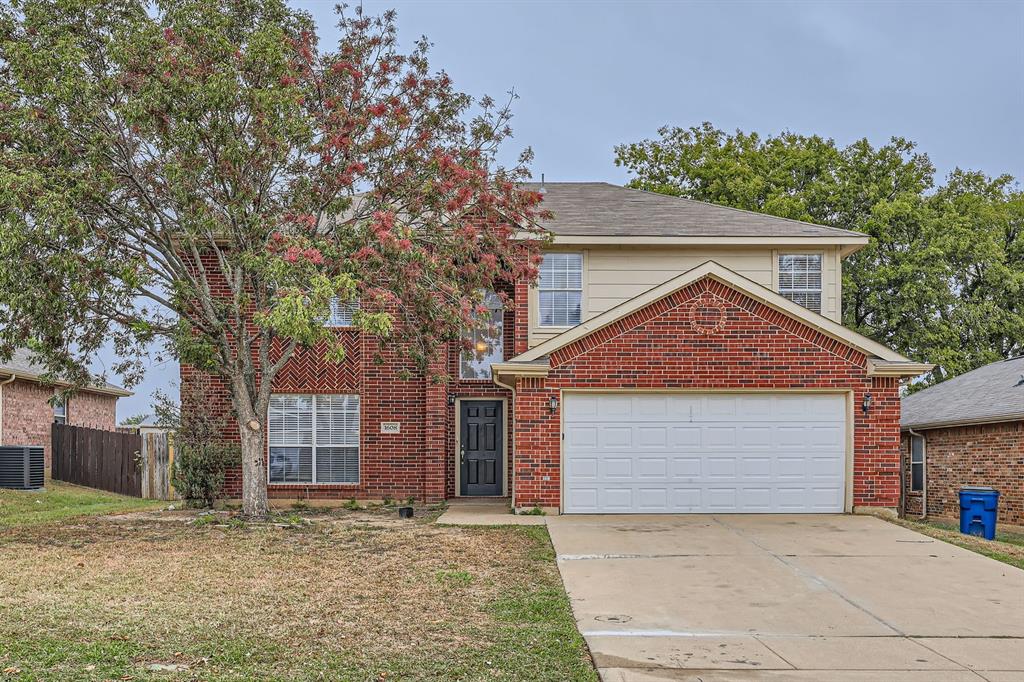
<point>787,598</point>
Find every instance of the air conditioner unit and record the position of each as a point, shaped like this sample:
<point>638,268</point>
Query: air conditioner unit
<point>21,467</point>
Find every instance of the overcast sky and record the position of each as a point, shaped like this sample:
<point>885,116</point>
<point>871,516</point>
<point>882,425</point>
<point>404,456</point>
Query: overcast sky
<point>590,75</point>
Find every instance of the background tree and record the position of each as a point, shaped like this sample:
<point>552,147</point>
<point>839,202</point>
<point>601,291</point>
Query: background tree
<point>942,277</point>
<point>201,172</point>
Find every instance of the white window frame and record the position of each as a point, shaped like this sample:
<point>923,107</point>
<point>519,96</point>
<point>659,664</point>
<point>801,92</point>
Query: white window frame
<point>582,291</point>
<point>62,416</point>
<point>820,290</point>
<point>917,462</point>
<point>498,317</point>
<point>313,444</point>
<point>340,315</point>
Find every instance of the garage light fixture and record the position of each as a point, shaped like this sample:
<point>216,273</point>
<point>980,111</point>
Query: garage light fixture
<point>866,404</point>
<point>553,403</point>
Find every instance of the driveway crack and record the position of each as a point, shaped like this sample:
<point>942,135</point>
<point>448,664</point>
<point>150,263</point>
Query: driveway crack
<point>808,576</point>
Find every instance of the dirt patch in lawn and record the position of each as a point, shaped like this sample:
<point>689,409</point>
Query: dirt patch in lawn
<point>350,595</point>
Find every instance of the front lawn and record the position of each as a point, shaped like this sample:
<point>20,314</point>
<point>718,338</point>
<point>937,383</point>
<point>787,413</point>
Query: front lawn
<point>1008,546</point>
<point>62,501</point>
<point>345,595</point>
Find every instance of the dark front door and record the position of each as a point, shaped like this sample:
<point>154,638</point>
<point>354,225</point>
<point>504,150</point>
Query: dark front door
<point>481,446</point>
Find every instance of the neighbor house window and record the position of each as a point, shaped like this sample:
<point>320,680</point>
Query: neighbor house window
<point>314,438</point>
<point>916,463</point>
<point>60,412</point>
<point>486,341</point>
<point>800,279</point>
<point>341,313</point>
<point>561,289</point>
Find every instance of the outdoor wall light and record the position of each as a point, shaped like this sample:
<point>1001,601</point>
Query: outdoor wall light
<point>553,403</point>
<point>451,400</point>
<point>866,403</point>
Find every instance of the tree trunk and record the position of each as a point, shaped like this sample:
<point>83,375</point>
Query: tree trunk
<point>254,468</point>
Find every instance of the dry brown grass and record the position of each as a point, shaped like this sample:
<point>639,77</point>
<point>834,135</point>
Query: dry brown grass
<point>354,595</point>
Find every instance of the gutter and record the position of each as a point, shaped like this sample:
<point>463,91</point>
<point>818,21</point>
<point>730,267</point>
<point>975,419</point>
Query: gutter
<point>997,419</point>
<point>28,376</point>
<point>2,384</point>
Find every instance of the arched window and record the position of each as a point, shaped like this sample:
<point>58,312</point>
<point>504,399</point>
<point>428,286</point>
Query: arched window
<point>486,341</point>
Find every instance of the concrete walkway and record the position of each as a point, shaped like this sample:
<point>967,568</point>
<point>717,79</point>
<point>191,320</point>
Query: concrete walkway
<point>485,511</point>
<point>800,598</point>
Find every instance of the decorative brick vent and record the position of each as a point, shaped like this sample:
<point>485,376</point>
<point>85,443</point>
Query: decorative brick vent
<point>707,316</point>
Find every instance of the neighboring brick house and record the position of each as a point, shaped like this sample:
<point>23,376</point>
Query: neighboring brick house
<point>27,411</point>
<point>674,356</point>
<point>968,430</point>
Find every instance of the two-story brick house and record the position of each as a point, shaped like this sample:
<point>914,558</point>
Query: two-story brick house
<point>674,356</point>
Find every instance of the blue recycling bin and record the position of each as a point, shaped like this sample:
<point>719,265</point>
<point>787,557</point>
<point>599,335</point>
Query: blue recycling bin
<point>978,509</point>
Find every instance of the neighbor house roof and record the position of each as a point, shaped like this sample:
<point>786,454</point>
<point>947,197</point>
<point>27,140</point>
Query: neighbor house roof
<point>881,361</point>
<point>600,209</point>
<point>993,393</point>
<point>22,366</point>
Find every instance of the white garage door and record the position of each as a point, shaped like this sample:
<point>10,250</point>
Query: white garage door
<point>714,453</point>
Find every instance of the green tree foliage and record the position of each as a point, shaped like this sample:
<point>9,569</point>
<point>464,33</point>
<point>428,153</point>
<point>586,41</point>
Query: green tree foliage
<point>942,279</point>
<point>202,172</point>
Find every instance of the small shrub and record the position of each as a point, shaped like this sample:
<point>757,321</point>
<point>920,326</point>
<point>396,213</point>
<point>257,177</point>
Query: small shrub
<point>352,505</point>
<point>201,455</point>
<point>198,473</point>
<point>536,511</point>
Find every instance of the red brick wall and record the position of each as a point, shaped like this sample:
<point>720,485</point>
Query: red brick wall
<point>986,454</point>
<point>420,461</point>
<point>27,414</point>
<point>663,347</point>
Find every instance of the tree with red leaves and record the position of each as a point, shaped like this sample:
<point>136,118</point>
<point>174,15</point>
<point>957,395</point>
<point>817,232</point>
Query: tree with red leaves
<point>203,173</point>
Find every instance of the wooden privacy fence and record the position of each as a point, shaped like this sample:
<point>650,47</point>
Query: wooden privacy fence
<point>123,463</point>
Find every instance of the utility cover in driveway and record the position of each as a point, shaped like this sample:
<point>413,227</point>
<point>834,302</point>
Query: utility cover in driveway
<point>649,453</point>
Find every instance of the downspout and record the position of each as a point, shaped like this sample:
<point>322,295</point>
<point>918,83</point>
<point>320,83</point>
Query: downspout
<point>924,469</point>
<point>2,384</point>
<point>510,435</point>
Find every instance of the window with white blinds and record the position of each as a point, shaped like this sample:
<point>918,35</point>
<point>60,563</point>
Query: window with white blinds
<point>561,289</point>
<point>800,279</point>
<point>341,313</point>
<point>314,438</point>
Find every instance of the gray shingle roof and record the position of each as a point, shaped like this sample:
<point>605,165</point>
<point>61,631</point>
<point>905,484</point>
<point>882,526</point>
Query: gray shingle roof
<point>987,394</point>
<point>22,364</point>
<point>603,209</point>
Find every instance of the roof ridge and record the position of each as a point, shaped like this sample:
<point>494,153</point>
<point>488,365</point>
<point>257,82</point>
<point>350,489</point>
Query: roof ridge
<point>742,210</point>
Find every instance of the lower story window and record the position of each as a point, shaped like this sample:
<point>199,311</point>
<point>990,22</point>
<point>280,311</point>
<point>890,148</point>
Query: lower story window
<point>916,464</point>
<point>314,438</point>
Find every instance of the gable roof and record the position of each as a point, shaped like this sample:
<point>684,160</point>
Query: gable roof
<point>600,209</point>
<point>23,366</point>
<point>894,364</point>
<point>992,393</point>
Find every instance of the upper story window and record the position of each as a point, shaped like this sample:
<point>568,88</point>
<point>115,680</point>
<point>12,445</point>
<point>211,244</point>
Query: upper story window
<point>916,463</point>
<point>561,289</point>
<point>60,412</point>
<point>486,341</point>
<point>800,279</point>
<point>341,313</point>
<point>314,438</point>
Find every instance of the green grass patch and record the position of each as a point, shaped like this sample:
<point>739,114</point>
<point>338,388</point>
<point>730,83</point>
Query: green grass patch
<point>1008,546</point>
<point>59,501</point>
